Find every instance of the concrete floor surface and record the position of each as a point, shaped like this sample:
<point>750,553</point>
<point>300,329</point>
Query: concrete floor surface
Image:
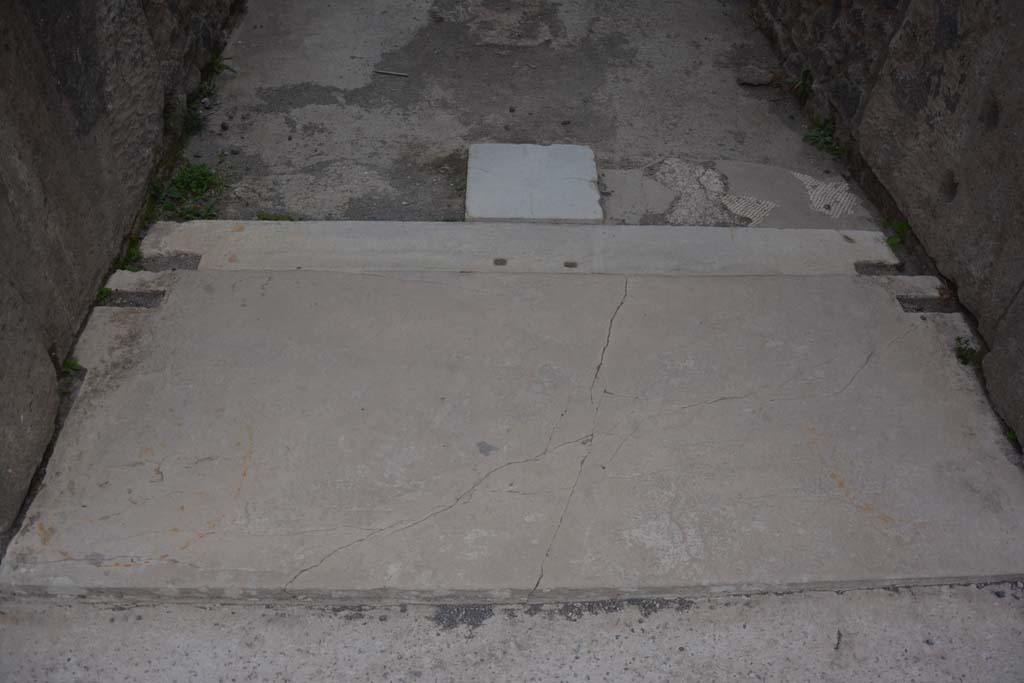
<point>923,635</point>
<point>303,124</point>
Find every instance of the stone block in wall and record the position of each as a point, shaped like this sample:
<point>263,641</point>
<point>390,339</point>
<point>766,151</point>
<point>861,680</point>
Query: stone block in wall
<point>841,43</point>
<point>941,130</point>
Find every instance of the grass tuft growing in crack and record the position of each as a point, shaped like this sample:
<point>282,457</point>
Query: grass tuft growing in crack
<point>899,230</point>
<point>70,366</point>
<point>189,194</point>
<point>822,136</point>
<point>194,121</point>
<point>966,352</point>
<point>133,255</point>
<point>220,64</point>
<point>801,87</point>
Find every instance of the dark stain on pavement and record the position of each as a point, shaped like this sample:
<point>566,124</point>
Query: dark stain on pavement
<point>285,98</point>
<point>450,616</point>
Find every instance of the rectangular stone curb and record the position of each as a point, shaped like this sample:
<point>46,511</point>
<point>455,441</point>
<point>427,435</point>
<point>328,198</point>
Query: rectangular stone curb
<point>359,247</point>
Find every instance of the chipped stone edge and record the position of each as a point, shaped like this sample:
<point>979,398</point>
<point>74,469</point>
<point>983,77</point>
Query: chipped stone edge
<point>399,596</point>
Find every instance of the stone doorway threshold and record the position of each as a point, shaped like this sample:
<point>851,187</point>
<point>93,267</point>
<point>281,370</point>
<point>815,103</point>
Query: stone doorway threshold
<point>301,420</point>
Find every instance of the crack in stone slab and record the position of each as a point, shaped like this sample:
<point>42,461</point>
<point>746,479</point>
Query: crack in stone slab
<point>675,409</point>
<point>608,338</point>
<point>867,360</point>
<point>462,497</point>
<point>586,440</point>
<point>561,518</point>
<point>299,532</point>
<point>699,404</point>
<point>618,449</point>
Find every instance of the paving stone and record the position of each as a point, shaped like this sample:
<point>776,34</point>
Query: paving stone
<point>546,183</point>
<point>409,436</point>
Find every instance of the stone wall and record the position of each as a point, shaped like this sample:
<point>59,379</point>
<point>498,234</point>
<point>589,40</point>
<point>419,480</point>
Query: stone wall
<point>92,94</point>
<point>927,96</point>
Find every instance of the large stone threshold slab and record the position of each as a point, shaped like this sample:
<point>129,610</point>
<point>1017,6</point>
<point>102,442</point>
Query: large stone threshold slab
<point>447,436</point>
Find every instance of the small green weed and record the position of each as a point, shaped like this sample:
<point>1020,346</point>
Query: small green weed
<point>103,296</point>
<point>220,64</point>
<point>1012,437</point>
<point>194,121</point>
<point>190,193</point>
<point>801,87</point>
<point>822,136</point>
<point>207,88</point>
<point>899,230</point>
<point>966,352</point>
<point>272,216</point>
<point>149,212</point>
<point>132,257</point>
<point>71,366</point>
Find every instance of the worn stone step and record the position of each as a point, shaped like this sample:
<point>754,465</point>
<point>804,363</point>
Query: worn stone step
<point>356,247</point>
<point>437,437</point>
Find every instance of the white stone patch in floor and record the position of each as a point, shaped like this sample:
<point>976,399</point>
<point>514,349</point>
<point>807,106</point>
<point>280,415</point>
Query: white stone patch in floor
<point>732,193</point>
<point>549,183</point>
<point>833,199</point>
<point>703,196</point>
<point>699,190</point>
<point>799,199</point>
<point>749,207</point>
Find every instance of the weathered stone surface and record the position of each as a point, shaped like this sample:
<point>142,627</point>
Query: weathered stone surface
<point>940,634</point>
<point>937,132</point>
<point>754,75</point>
<point>28,401</point>
<point>1004,374</point>
<point>841,44</point>
<point>316,134</point>
<point>282,432</point>
<point>923,92</point>
<point>88,98</point>
<point>382,246</point>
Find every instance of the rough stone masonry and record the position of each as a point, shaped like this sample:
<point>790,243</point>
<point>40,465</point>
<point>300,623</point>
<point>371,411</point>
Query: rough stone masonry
<point>91,94</point>
<point>928,95</point>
